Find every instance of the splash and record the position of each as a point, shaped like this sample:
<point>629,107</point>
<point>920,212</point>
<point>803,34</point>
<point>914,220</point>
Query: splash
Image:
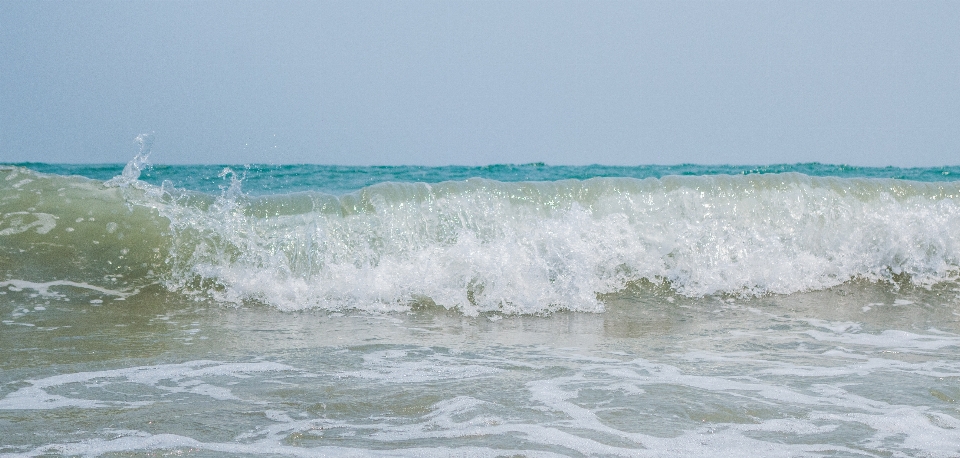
<point>131,172</point>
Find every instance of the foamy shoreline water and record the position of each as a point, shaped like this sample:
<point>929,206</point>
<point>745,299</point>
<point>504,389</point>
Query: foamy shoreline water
<point>799,375</point>
<point>769,314</point>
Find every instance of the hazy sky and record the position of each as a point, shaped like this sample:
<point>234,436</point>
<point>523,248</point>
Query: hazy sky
<point>456,82</point>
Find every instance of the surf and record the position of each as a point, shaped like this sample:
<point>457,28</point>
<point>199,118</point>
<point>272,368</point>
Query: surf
<point>477,245</point>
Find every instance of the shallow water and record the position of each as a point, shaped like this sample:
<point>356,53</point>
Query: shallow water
<point>715,315</point>
<point>858,370</point>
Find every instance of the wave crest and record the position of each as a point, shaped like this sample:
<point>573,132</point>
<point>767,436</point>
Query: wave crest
<point>481,245</point>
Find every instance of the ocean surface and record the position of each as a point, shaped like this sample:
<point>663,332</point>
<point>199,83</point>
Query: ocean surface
<point>509,310</point>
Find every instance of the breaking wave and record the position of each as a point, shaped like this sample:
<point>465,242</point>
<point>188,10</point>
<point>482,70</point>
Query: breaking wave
<point>478,245</point>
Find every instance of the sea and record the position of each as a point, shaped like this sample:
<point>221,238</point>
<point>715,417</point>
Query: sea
<point>797,310</point>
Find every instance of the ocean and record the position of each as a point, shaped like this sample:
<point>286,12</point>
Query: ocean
<point>508,310</point>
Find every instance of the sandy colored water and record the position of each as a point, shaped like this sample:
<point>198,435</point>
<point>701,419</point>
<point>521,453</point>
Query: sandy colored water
<point>859,370</point>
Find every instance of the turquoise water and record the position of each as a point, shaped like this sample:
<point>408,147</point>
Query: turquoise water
<point>533,310</point>
<point>271,179</point>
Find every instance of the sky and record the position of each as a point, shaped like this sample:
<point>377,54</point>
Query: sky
<point>871,83</point>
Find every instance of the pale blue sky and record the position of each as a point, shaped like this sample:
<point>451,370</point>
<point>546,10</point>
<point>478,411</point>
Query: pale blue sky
<point>455,82</point>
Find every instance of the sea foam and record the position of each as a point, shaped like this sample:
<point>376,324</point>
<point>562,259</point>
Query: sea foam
<point>481,245</point>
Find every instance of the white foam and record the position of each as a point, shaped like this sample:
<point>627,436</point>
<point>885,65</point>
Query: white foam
<point>936,434</point>
<point>393,365</point>
<point>140,441</point>
<point>43,288</point>
<point>185,376</point>
<point>41,223</point>
<point>483,246</point>
<point>556,414</point>
<point>889,339</point>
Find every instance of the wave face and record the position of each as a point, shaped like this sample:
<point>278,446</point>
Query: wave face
<point>478,245</point>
